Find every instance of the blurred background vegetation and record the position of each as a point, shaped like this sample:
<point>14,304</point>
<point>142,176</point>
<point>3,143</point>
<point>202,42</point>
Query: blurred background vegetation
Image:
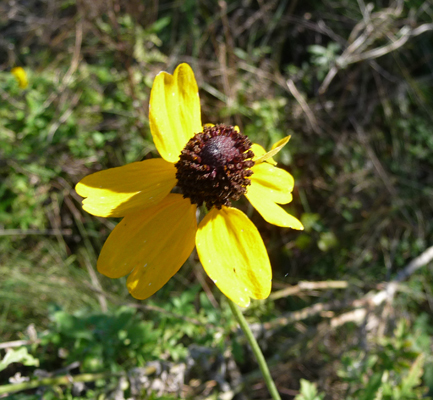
<point>350,316</point>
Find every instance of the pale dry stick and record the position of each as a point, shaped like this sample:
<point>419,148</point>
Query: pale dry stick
<point>348,57</point>
<point>305,107</point>
<point>270,328</point>
<point>358,315</point>
<point>303,286</point>
<point>364,304</point>
<point>369,33</point>
<point>361,37</point>
<point>18,343</point>
<point>406,33</point>
<point>415,265</point>
<point>387,294</point>
<point>365,11</point>
<point>374,22</point>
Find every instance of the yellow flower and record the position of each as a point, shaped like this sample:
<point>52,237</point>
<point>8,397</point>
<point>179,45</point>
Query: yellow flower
<point>20,75</point>
<point>210,165</point>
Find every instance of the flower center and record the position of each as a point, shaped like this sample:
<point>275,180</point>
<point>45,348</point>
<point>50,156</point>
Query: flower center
<point>214,167</point>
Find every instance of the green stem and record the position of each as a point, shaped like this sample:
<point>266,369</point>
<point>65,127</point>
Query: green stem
<point>256,350</point>
<point>60,380</point>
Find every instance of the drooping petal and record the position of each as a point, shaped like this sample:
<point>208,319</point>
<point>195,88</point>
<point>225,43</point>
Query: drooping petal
<point>174,111</point>
<point>234,256</point>
<point>152,243</point>
<point>270,211</point>
<point>271,183</point>
<point>116,192</point>
<point>259,151</point>
<point>275,149</point>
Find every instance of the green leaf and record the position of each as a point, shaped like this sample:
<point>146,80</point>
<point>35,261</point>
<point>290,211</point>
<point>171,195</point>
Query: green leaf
<point>372,387</point>
<point>160,24</point>
<point>19,356</point>
<point>310,221</point>
<point>309,391</point>
<point>327,241</point>
<point>413,378</point>
<point>316,49</point>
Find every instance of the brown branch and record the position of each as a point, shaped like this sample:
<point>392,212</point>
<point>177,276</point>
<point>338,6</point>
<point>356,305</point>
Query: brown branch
<point>362,306</point>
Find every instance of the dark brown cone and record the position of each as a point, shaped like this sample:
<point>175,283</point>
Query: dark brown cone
<point>214,167</point>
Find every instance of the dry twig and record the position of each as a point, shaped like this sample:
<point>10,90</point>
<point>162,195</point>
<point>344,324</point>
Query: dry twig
<point>361,306</point>
<point>366,32</point>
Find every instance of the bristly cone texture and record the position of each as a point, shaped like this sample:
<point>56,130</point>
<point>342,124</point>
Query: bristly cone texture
<point>214,167</point>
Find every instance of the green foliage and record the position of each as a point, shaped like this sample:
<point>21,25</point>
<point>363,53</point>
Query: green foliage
<point>122,339</point>
<point>323,57</point>
<point>21,356</point>
<point>45,123</point>
<point>327,241</point>
<point>393,370</point>
<point>309,391</point>
<point>103,341</point>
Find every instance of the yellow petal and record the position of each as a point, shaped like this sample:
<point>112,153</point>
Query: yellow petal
<point>174,111</point>
<point>234,256</point>
<point>21,76</point>
<point>275,149</point>
<point>269,210</point>
<point>259,151</point>
<point>117,192</point>
<point>152,243</point>
<point>271,183</point>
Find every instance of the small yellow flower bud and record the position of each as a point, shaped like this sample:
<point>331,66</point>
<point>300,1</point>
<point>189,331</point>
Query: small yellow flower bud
<point>20,75</point>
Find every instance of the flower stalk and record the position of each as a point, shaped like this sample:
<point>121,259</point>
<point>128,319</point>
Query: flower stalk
<point>256,350</point>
